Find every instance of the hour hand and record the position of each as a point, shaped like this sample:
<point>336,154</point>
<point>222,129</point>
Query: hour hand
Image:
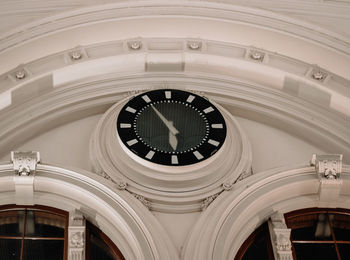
<point>168,124</point>
<point>172,139</point>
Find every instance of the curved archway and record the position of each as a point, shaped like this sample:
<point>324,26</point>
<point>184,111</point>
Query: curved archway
<point>235,215</point>
<point>117,213</point>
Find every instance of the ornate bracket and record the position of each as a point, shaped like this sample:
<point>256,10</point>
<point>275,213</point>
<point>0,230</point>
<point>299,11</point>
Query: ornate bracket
<point>24,163</point>
<point>280,237</point>
<point>24,166</point>
<point>328,168</point>
<point>76,235</point>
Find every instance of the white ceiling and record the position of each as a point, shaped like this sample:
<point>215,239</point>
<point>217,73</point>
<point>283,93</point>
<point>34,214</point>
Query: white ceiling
<point>332,15</point>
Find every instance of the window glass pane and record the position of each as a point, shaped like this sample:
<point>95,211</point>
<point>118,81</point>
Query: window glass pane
<point>315,251</point>
<point>258,250</point>
<point>99,249</point>
<point>10,249</point>
<point>344,250</point>
<point>310,227</point>
<point>44,224</point>
<point>43,249</point>
<point>12,223</point>
<point>341,226</point>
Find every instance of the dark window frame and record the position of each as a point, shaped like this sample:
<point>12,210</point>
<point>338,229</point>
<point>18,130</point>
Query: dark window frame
<point>262,230</point>
<point>90,228</point>
<point>327,211</point>
<point>48,209</point>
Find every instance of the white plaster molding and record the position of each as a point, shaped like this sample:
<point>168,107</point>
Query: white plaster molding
<point>173,189</point>
<point>209,10</point>
<point>233,216</point>
<point>24,163</point>
<point>117,213</point>
<point>143,200</point>
<point>328,168</point>
<point>207,201</point>
<point>280,237</point>
<point>24,166</point>
<point>76,236</point>
<point>257,102</point>
<point>305,81</point>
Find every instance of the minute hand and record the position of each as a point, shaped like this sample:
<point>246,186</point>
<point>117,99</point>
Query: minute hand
<point>169,125</point>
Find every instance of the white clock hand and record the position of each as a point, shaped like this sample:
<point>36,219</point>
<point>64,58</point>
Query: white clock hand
<point>169,125</point>
<point>172,139</point>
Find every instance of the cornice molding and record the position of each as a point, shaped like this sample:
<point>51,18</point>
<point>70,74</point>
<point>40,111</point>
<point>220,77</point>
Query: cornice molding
<point>327,129</point>
<point>300,79</point>
<point>164,9</point>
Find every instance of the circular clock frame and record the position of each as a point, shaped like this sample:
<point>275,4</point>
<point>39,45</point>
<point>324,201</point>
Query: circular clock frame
<point>169,188</point>
<point>171,127</point>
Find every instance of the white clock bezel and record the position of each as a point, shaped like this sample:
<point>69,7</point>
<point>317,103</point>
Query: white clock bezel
<point>169,188</point>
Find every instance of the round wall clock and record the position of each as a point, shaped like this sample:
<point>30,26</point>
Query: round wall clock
<point>171,127</point>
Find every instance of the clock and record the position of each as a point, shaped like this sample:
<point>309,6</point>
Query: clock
<point>171,127</point>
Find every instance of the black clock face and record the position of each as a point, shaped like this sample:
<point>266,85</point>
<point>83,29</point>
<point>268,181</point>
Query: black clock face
<point>171,127</point>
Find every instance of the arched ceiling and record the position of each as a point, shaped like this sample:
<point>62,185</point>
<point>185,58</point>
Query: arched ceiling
<point>330,14</point>
<point>38,38</point>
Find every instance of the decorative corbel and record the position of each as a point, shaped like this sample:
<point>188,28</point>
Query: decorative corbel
<point>76,236</point>
<point>280,237</point>
<point>24,166</point>
<point>328,168</point>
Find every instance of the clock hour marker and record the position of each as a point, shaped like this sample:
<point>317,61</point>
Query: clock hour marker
<point>125,125</point>
<point>168,94</point>
<point>174,159</point>
<point>146,98</point>
<point>190,98</point>
<point>217,126</point>
<point>213,142</point>
<point>150,155</point>
<point>208,110</point>
<point>132,142</point>
<point>130,109</point>
<point>198,155</point>
<point>181,117</point>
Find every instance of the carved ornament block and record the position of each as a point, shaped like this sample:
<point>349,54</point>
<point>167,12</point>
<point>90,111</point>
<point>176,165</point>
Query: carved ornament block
<point>328,166</point>
<point>24,163</point>
<point>280,237</point>
<point>76,236</point>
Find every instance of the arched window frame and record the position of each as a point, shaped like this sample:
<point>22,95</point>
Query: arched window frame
<point>263,230</point>
<point>90,229</point>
